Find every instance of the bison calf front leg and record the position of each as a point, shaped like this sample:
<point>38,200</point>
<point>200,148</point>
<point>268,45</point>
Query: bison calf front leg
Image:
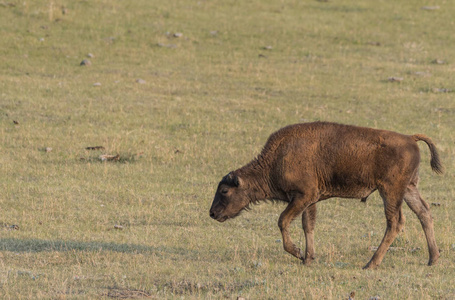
<point>294,208</point>
<point>308,223</point>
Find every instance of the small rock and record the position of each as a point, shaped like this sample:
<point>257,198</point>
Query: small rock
<point>213,32</point>
<point>13,227</point>
<point>351,296</point>
<point>86,62</point>
<point>438,61</point>
<point>374,44</point>
<point>167,45</point>
<point>7,4</point>
<point>240,298</point>
<point>41,39</point>
<point>107,157</point>
<point>437,90</point>
<point>257,264</point>
<point>119,227</point>
<point>374,248</point>
<point>95,148</point>
<point>375,298</point>
<point>430,7</point>
<point>140,81</point>
<point>396,248</point>
<point>178,35</point>
<point>48,149</point>
<point>423,74</point>
<point>96,84</point>
<point>267,47</point>
<point>395,79</point>
<point>436,204</point>
<point>15,122</point>
<point>90,55</point>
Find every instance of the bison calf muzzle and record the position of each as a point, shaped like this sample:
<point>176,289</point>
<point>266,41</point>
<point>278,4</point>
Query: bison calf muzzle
<point>302,164</point>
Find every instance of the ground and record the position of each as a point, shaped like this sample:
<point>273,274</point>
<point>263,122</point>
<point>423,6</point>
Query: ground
<point>181,92</point>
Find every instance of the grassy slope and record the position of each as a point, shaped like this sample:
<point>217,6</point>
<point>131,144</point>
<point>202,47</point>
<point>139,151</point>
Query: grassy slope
<point>209,102</point>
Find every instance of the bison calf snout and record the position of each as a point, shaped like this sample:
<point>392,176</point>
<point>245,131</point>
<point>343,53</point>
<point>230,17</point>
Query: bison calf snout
<point>212,215</point>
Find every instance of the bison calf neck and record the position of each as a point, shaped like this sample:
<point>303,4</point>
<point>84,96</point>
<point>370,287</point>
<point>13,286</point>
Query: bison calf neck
<point>302,164</point>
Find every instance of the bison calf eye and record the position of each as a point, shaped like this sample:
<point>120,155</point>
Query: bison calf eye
<point>224,191</point>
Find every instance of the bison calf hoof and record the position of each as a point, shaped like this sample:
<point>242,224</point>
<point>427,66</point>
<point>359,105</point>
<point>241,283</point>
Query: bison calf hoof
<point>370,266</point>
<point>307,261</point>
<point>299,254</point>
<point>432,262</point>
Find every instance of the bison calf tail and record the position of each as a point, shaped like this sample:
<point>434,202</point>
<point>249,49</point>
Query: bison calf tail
<point>435,162</point>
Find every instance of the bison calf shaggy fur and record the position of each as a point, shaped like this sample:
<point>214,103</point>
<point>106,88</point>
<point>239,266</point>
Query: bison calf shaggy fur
<point>302,164</point>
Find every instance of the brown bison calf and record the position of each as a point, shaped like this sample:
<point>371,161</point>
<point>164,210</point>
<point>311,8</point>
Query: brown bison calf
<point>305,163</point>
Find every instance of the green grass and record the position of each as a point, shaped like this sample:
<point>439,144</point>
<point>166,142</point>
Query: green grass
<point>210,100</point>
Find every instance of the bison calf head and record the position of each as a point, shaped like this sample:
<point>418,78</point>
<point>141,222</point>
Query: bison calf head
<point>230,199</point>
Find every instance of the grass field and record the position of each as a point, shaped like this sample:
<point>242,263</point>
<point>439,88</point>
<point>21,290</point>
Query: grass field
<point>184,92</point>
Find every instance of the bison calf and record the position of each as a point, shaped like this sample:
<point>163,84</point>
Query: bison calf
<point>302,164</point>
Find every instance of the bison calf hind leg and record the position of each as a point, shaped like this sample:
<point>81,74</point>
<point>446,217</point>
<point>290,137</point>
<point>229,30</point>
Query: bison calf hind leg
<point>422,210</point>
<point>393,198</point>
